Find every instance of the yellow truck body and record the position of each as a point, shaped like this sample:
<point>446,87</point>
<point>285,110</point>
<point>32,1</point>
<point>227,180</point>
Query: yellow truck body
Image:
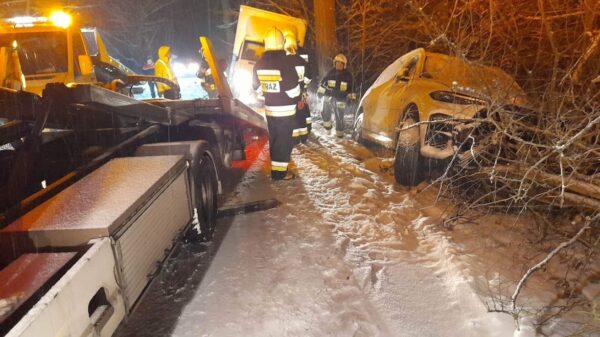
<point>248,46</point>
<point>52,52</point>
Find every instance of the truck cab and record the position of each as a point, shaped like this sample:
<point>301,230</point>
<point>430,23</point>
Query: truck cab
<point>249,45</point>
<point>55,49</point>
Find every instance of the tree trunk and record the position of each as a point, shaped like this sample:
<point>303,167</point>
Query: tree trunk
<point>227,20</point>
<point>325,26</point>
<point>591,9</point>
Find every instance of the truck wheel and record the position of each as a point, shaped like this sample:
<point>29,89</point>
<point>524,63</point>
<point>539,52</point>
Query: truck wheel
<point>357,130</point>
<point>408,157</point>
<point>205,185</point>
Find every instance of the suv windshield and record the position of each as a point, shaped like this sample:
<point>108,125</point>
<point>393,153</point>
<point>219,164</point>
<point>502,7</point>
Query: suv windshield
<point>252,51</point>
<point>489,80</point>
<point>40,53</point>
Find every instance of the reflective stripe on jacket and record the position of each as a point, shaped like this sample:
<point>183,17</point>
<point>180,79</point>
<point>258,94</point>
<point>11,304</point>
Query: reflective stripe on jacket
<point>337,84</point>
<point>278,80</point>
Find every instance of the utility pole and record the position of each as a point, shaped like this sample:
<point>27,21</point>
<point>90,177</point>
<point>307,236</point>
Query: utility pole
<point>325,33</point>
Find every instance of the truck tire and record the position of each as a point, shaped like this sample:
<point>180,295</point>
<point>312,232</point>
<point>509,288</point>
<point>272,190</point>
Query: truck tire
<point>205,189</point>
<point>358,127</point>
<point>408,157</point>
<point>203,175</point>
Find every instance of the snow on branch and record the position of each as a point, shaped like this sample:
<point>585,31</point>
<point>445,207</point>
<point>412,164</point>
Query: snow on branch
<point>552,254</point>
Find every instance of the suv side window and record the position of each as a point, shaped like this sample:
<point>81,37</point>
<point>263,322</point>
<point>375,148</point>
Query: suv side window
<point>409,68</point>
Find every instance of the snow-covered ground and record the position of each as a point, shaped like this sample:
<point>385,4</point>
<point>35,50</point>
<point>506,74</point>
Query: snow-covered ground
<point>348,253</point>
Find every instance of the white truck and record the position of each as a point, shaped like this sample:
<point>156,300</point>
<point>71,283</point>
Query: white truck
<point>249,46</point>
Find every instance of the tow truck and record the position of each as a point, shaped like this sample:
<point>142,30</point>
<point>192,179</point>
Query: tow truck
<point>96,186</point>
<point>57,49</point>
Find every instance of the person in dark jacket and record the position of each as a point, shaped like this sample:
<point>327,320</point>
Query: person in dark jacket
<point>337,87</point>
<point>277,78</point>
<point>303,117</point>
<point>206,80</point>
<point>148,69</point>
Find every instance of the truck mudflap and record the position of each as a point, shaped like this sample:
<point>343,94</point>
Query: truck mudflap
<point>86,300</point>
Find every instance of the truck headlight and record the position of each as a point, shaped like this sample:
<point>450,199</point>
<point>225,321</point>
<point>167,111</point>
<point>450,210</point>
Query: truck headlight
<point>242,83</point>
<point>243,79</point>
<point>193,67</point>
<point>248,98</point>
<point>179,69</point>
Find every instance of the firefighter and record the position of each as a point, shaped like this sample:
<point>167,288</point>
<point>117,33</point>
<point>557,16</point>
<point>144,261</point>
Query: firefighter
<point>303,118</point>
<point>162,68</point>
<point>206,80</point>
<point>276,76</point>
<point>338,88</point>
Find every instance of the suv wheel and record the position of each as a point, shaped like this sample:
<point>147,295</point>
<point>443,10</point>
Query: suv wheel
<point>408,157</point>
<point>357,130</point>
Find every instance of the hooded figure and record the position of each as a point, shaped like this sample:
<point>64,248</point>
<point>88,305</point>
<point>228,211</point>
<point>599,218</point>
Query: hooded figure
<point>163,69</point>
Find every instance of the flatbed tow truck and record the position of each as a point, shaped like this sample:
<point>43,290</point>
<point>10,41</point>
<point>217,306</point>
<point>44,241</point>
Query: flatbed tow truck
<point>95,187</point>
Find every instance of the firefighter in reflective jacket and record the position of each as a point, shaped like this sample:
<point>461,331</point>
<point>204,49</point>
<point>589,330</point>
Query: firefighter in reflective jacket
<point>276,76</point>
<point>337,87</point>
<point>303,118</point>
<point>206,80</point>
<point>162,68</point>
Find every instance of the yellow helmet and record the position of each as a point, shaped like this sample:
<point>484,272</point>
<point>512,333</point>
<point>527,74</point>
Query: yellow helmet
<point>291,44</point>
<point>274,39</point>
<point>340,58</point>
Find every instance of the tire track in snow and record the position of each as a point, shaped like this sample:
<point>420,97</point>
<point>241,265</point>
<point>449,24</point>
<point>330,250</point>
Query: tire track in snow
<point>341,301</point>
<point>378,226</point>
<point>357,204</point>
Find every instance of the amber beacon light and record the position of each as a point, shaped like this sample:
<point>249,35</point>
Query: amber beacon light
<point>61,19</point>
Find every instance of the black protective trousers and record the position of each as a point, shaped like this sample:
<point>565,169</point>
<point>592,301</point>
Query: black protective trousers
<point>280,144</point>
<point>306,117</point>
<point>303,125</point>
<point>337,108</point>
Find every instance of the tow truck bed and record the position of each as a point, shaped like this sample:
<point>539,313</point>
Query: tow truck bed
<point>162,111</point>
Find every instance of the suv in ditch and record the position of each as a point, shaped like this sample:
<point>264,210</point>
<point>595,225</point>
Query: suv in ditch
<point>425,105</point>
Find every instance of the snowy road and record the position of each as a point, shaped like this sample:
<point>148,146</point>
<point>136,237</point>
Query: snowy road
<point>347,253</point>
